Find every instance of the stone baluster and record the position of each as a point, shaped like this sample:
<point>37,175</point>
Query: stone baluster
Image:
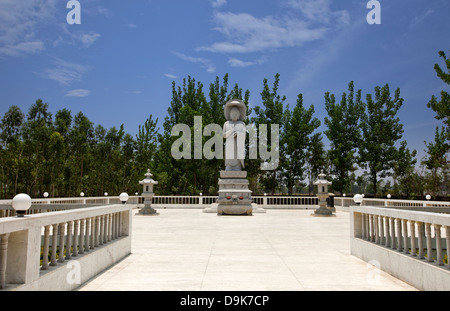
<point>120,224</point>
<point>92,235</point>
<point>105,230</point>
<point>54,244</point>
<point>109,227</point>
<point>381,221</point>
<point>387,231</point>
<point>113,225</point>
<point>437,231</point>
<point>101,229</point>
<point>399,234</point>
<point>420,238</point>
<point>97,231</point>
<point>46,248</point>
<point>82,235</point>
<point>61,231</point>
<point>363,226</point>
<point>69,240</point>
<point>376,228</point>
<point>447,238</point>
<point>76,228</point>
<point>371,238</point>
<point>117,226</point>
<point>405,236</point>
<point>429,241</point>
<point>88,234</point>
<point>367,226</point>
<point>412,226</point>
<point>392,226</point>
<point>3,258</point>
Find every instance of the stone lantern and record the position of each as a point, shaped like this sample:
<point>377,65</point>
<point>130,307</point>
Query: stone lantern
<point>322,193</point>
<point>147,193</point>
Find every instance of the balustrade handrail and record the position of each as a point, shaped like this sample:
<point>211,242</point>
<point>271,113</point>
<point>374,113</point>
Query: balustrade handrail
<point>13,224</point>
<point>418,216</point>
<point>22,239</point>
<point>410,232</point>
<point>347,201</point>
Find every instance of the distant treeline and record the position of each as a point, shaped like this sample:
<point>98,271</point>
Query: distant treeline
<point>66,154</point>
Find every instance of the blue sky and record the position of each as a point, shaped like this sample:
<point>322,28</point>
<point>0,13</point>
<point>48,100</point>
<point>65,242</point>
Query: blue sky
<point>118,65</point>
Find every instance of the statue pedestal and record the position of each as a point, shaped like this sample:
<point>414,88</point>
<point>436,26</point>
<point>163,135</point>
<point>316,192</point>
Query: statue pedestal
<point>234,196</point>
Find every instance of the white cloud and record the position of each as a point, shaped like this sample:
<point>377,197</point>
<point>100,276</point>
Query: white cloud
<point>246,33</point>
<point>170,76</point>
<point>88,38</point>
<point>235,62</point>
<point>420,18</point>
<point>65,72</point>
<point>132,26</point>
<point>22,48</point>
<point>78,93</point>
<point>218,3</point>
<point>205,63</point>
<point>319,11</point>
<point>19,21</point>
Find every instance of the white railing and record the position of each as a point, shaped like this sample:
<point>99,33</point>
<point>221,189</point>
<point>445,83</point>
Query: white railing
<point>348,201</point>
<point>410,245</point>
<point>91,239</point>
<point>265,202</point>
<point>167,201</point>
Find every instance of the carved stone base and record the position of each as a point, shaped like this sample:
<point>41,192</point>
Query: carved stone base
<point>234,195</point>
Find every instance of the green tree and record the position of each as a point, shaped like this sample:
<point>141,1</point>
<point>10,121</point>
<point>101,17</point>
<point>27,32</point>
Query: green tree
<point>436,160</point>
<point>36,132</point>
<point>272,112</point>
<point>11,150</point>
<point>295,139</point>
<point>147,145</point>
<point>403,168</point>
<point>381,129</point>
<point>344,135</point>
<point>442,107</point>
<point>81,140</point>
<point>316,159</point>
<point>437,152</point>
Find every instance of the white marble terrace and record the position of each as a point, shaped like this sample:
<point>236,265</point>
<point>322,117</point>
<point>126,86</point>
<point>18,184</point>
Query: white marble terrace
<point>394,236</point>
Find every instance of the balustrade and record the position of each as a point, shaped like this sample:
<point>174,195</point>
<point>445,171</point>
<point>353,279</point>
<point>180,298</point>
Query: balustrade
<point>63,236</point>
<point>417,234</point>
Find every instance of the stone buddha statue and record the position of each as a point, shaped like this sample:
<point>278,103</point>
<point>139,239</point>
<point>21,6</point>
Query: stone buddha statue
<point>234,131</point>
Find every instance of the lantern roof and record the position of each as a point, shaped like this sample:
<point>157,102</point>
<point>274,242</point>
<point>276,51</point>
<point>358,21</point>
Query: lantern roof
<point>148,179</point>
<point>322,179</point>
